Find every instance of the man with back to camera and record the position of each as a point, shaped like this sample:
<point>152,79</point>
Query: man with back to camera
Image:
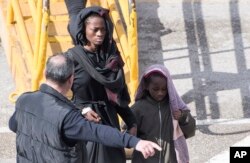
<point>49,128</point>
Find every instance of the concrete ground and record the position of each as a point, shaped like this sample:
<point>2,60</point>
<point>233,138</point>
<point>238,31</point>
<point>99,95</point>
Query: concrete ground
<point>7,138</point>
<point>205,45</point>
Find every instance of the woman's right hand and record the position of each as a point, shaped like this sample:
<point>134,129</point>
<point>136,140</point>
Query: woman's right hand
<point>92,116</point>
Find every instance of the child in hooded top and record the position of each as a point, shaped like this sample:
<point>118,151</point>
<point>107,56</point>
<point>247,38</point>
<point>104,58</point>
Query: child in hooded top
<point>158,109</point>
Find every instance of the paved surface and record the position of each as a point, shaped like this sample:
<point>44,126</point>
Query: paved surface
<point>224,155</point>
<point>7,139</point>
<point>205,44</point>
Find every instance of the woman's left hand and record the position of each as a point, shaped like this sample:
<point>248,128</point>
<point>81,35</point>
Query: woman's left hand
<point>177,114</point>
<point>92,116</point>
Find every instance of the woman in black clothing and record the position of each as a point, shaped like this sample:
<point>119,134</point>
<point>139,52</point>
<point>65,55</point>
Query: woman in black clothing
<point>99,87</point>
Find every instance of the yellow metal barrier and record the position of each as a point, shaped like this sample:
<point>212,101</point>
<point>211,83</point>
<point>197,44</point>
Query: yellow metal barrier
<point>43,46</point>
<point>32,5</point>
<point>28,52</point>
<point>36,43</point>
<point>133,50</point>
<point>38,30</point>
<point>10,15</point>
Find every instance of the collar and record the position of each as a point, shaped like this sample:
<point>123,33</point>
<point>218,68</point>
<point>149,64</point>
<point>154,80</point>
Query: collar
<point>154,102</point>
<point>45,88</point>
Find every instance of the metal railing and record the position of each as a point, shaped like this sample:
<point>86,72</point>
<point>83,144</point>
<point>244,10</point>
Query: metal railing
<point>28,62</point>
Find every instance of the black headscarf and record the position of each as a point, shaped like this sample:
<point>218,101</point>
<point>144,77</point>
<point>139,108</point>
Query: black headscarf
<point>77,26</point>
<point>112,75</point>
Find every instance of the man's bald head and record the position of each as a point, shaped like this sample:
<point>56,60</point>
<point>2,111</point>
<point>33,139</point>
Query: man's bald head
<point>59,68</point>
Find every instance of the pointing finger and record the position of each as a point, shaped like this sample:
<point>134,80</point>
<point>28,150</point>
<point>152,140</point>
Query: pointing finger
<point>156,146</point>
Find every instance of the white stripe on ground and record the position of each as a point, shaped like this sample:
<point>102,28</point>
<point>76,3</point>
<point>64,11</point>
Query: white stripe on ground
<point>11,160</point>
<point>5,130</point>
<point>223,121</point>
<point>224,156</point>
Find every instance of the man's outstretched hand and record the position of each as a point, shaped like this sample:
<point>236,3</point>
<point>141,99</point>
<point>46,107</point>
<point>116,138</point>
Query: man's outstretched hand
<point>147,148</point>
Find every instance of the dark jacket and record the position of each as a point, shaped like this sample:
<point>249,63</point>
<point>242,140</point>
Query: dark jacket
<point>40,118</point>
<point>154,122</point>
<point>49,128</point>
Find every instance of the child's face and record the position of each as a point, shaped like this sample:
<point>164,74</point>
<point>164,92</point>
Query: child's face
<point>157,88</point>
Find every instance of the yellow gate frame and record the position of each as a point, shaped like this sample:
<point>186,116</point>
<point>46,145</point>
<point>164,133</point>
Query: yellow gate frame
<point>27,54</point>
